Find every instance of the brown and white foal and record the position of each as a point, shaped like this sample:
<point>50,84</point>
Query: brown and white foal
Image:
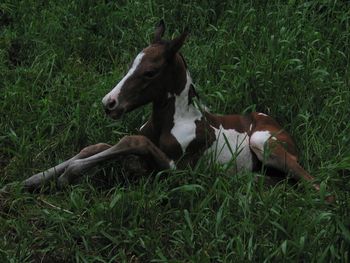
<point>178,132</point>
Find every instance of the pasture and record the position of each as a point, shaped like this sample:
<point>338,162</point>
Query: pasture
<point>289,59</point>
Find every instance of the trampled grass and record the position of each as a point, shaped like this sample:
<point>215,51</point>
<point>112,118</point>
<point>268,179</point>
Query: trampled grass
<point>289,59</point>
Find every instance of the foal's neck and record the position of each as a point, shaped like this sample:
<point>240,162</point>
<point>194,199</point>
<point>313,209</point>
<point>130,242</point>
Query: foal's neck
<point>178,102</point>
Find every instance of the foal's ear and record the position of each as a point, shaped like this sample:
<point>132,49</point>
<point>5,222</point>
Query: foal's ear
<point>175,44</point>
<point>159,32</point>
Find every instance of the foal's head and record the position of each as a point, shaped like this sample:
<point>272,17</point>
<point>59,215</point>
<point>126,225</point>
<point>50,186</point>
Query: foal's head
<point>155,72</point>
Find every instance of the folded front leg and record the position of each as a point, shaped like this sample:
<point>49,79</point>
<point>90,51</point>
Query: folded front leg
<point>139,145</point>
<point>45,177</point>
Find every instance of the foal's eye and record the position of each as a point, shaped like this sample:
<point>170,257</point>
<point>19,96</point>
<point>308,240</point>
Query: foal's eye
<point>150,74</point>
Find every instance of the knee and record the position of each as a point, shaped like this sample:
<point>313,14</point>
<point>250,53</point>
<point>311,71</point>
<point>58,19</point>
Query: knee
<point>135,141</point>
<point>93,149</point>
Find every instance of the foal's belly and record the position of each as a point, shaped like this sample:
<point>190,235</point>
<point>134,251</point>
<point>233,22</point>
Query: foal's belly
<point>231,146</point>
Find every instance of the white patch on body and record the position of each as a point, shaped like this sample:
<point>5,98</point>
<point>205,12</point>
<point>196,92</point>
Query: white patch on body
<point>114,93</point>
<point>229,145</point>
<point>258,140</point>
<point>262,114</point>
<point>184,129</point>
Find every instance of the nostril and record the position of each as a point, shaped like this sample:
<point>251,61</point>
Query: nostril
<point>111,104</point>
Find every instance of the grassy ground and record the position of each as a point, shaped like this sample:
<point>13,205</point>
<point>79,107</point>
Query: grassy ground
<point>289,59</point>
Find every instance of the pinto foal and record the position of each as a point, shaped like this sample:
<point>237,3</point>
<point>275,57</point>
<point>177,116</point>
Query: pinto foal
<point>177,129</point>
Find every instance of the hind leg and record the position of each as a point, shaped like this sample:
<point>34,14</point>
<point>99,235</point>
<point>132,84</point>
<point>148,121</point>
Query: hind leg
<point>282,160</point>
<point>271,152</point>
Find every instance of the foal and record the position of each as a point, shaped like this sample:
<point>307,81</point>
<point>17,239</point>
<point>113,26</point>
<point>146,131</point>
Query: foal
<point>178,132</point>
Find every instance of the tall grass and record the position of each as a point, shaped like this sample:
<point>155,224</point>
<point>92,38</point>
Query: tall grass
<point>289,59</point>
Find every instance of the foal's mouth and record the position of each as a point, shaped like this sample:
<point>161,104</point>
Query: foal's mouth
<point>116,113</point>
<point>121,109</point>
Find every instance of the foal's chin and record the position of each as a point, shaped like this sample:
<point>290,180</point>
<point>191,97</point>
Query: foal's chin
<point>122,110</point>
<point>116,114</point>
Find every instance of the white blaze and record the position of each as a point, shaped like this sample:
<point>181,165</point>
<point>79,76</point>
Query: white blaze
<point>114,93</point>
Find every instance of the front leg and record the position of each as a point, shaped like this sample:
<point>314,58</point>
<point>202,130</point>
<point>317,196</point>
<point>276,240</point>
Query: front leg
<point>42,178</point>
<point>137,144</point>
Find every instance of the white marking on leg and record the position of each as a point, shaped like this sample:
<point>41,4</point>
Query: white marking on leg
<point>262,114</point>
<point>231,144</point>
<point>185,116</point>
<point>250,127</point>
<point>258,140</point>
<point>114,93</point>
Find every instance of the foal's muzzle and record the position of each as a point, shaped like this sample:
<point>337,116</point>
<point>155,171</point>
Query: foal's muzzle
<point>110,104</point>
<point>112,108</point>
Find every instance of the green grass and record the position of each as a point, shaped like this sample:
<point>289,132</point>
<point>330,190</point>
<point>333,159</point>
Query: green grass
<point>289,59</point>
